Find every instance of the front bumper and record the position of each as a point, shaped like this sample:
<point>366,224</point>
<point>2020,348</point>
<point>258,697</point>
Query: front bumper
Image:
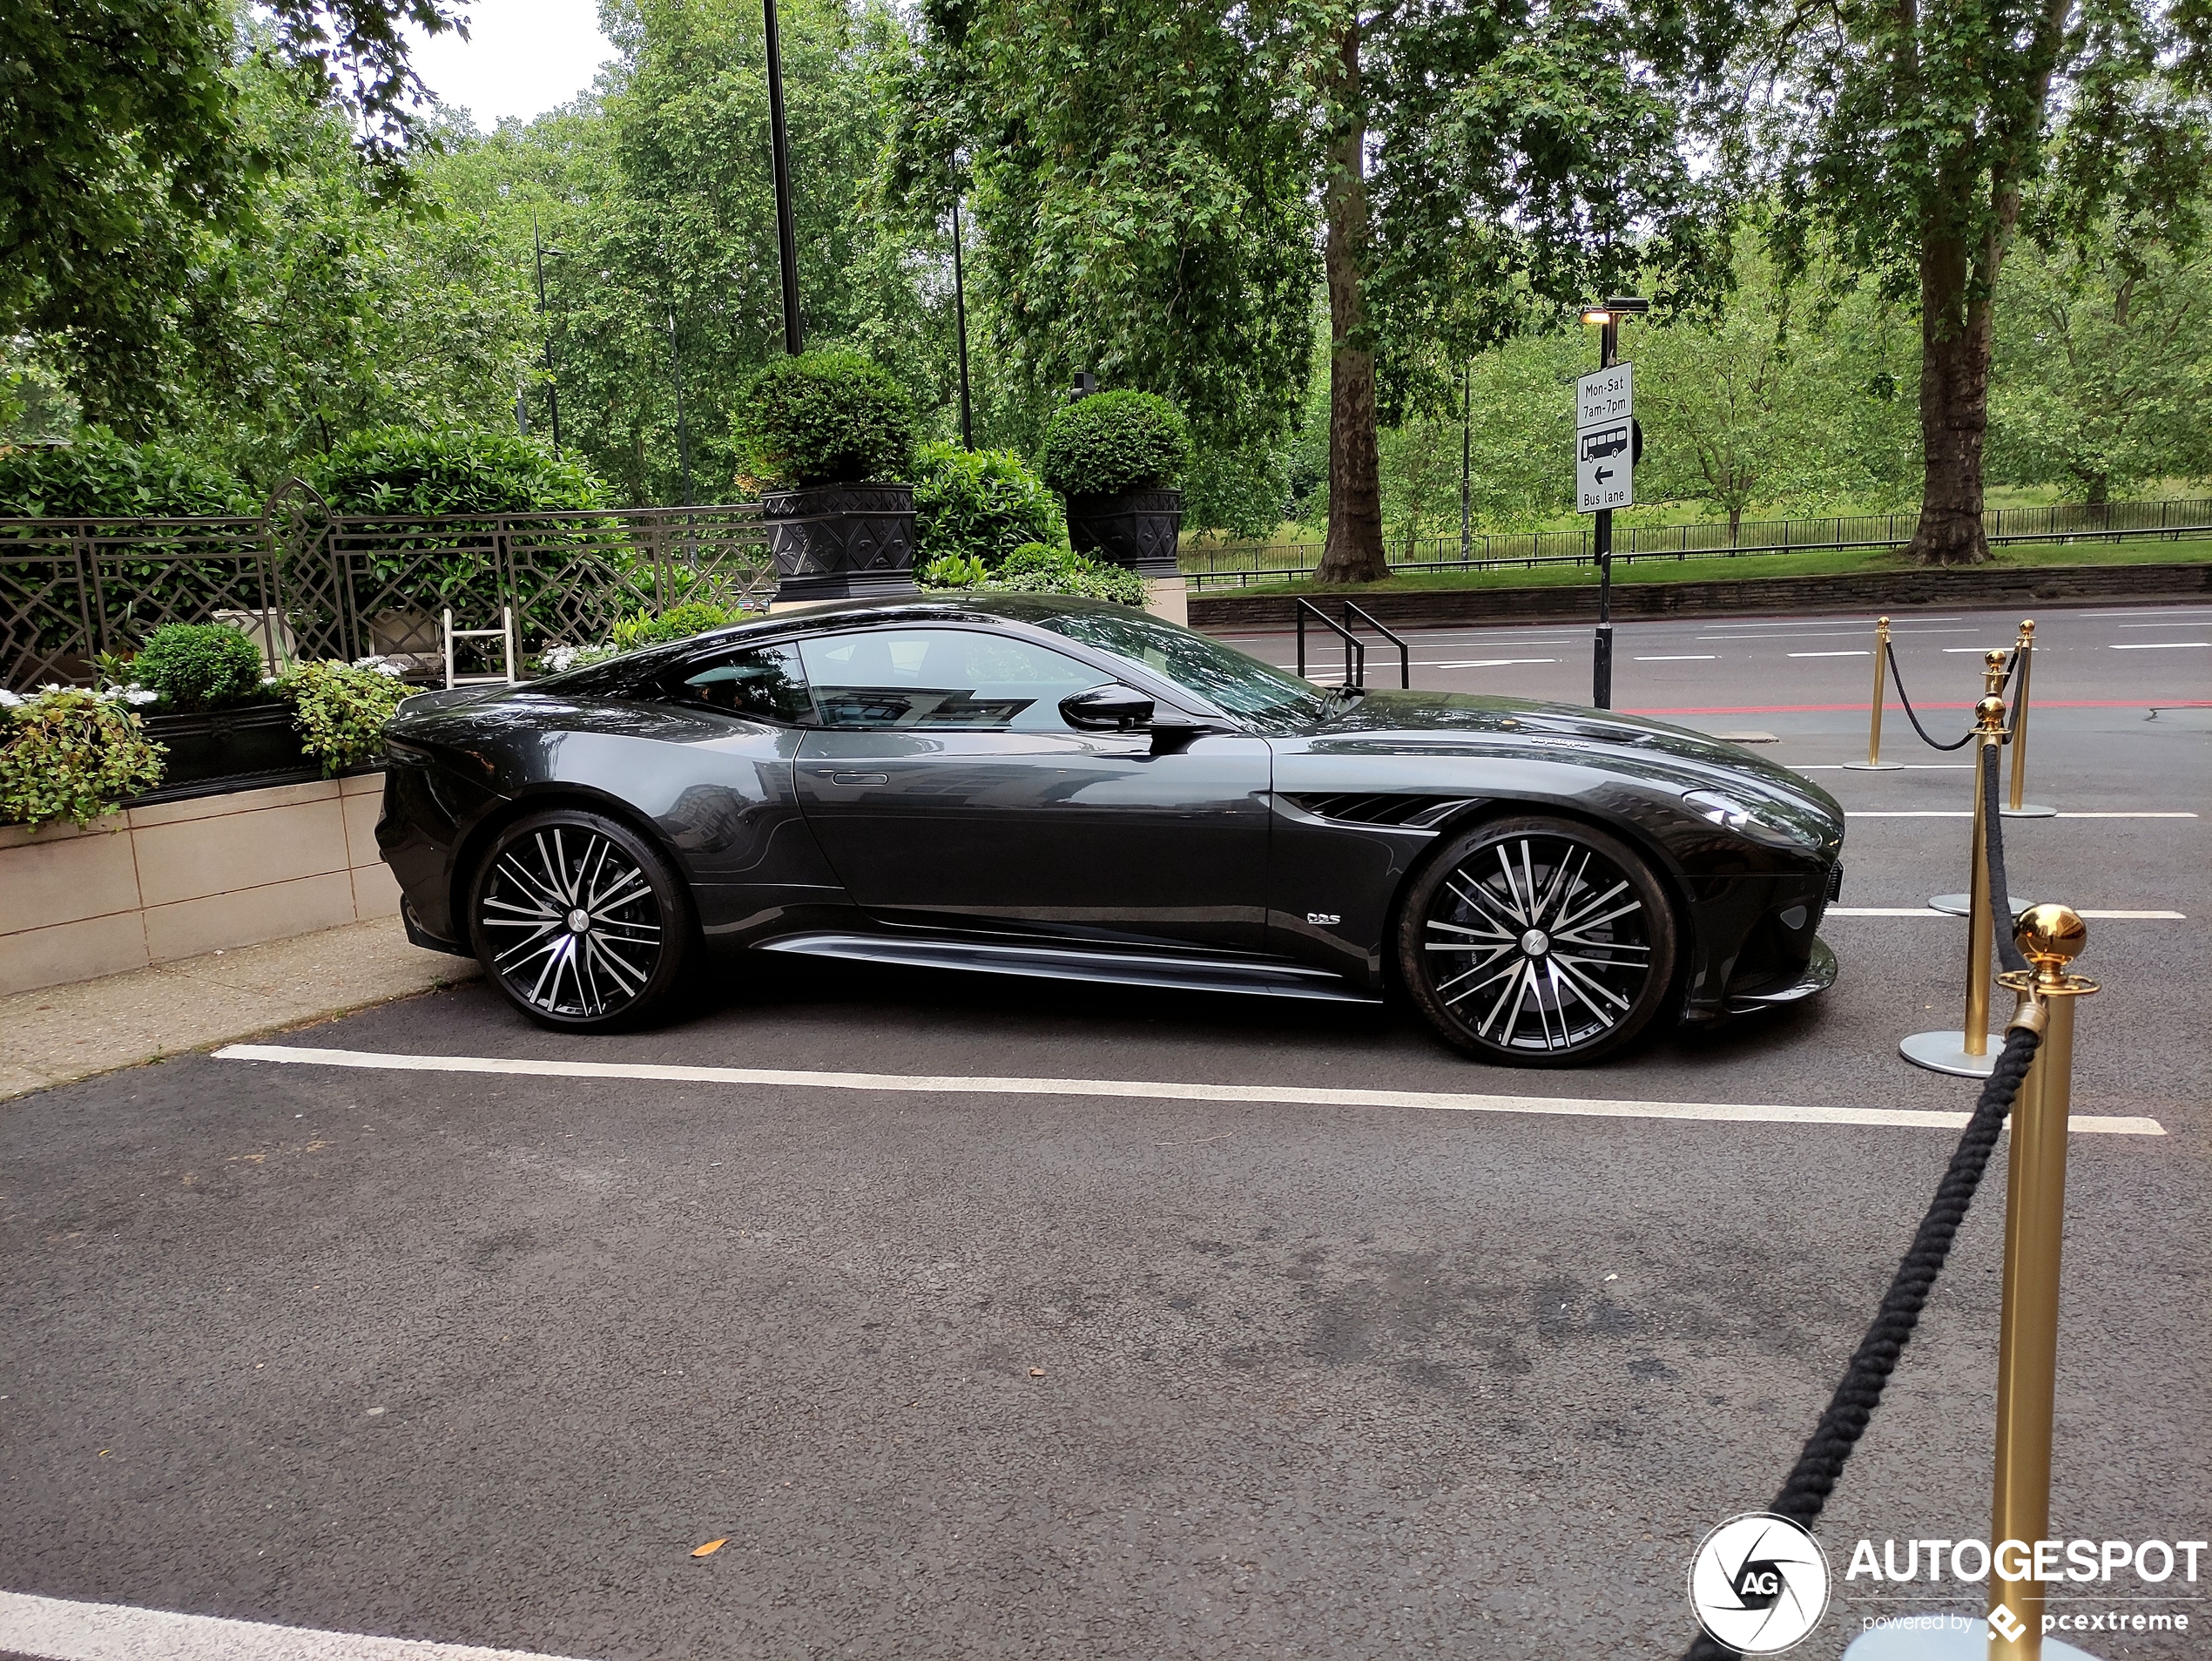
<point>1815,977</point>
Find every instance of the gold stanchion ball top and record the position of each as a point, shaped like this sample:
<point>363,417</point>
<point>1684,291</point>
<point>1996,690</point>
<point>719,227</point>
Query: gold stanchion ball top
<point>2049,936</point>
<point>1989,715</point>
<point>1993,659</point>
<point>2027,625</point>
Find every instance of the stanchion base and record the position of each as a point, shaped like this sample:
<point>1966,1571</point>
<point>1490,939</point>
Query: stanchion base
<point>1969,1641</point>
<point>1956,905</point>
<point>1873,767</point>
<point>1945,1052</point>
<point>2029,810</point>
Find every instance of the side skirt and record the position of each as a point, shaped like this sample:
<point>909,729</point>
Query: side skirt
<point>1079,963</point>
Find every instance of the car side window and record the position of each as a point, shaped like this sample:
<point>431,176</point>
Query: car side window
<point>937,678</point>
<point>761,683</point>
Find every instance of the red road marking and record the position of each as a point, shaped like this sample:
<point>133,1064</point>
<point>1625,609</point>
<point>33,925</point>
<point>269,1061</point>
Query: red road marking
<point>2040,703</point>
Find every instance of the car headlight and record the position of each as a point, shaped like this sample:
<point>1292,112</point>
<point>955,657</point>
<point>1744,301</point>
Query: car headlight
<point>1758,822</point>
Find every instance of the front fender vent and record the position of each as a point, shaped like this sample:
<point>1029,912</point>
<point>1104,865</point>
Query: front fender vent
<point>1405,811</point>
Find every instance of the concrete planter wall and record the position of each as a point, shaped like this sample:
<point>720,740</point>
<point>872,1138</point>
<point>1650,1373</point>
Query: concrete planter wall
<point>174,879</point>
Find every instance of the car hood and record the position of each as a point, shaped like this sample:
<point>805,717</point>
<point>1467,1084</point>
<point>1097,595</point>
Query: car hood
<point>1431,722</point>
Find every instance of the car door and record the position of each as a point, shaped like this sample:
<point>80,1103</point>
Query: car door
<point>948,790</point>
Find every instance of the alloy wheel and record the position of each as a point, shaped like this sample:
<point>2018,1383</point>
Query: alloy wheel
<point>573,925</point>
<point>1539,946</point>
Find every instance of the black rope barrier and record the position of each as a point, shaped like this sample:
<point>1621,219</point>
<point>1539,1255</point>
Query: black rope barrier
<point>1805,1492</point>
<point>1897,676</point>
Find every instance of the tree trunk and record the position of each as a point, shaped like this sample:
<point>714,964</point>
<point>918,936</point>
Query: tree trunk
<point>1354,550</point>
<point>1735,522</point>
<point>1954,407</point>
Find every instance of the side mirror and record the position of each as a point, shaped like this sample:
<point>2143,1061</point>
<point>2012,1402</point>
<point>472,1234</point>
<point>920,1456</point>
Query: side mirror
<point>1110,708</point>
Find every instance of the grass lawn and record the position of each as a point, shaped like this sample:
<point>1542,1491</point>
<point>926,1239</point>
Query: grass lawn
<point>1812,562</point>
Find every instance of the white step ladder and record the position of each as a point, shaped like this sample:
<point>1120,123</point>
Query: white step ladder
<point>504,634</point>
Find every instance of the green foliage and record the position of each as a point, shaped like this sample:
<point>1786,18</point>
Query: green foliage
<point>1037,568</point>
<point>981,503</point>
<point>824,417</point>
<point>407,472</point>
<point>99,475</point>
<point>341,711</point>
<point>953,570</point>
<point>1113,442</point>
<point>198,665</point>
<point>68,753</point>
<point>678,623</point>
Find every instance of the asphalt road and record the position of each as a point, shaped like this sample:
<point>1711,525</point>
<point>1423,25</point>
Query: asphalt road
<point>481,1360</point>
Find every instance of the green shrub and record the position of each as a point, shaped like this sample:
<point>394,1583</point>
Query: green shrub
<point>1037,568</point>
<point>828,417</point>
<point>678,623</point>
<point>1113,442</point>
<point>980,503</point>
<point>69,754</point>
<point>341,710</point>
<point>952,571</point>
<point>408,472</point>
<point>198,665</point>
<point>98,476</point>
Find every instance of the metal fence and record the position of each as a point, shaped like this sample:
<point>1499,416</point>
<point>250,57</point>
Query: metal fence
<point>2065,522</point>
<point>317,584</point>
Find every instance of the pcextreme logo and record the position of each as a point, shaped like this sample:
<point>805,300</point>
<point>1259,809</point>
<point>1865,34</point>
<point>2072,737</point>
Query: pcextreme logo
<point>1758,1583</point>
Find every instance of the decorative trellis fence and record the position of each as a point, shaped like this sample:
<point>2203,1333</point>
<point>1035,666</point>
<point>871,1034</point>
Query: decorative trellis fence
<point>312,583</point>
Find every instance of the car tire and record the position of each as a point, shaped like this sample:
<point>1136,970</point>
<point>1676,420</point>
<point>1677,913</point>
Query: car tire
<point>1536,942</point>
<point>578,921</point>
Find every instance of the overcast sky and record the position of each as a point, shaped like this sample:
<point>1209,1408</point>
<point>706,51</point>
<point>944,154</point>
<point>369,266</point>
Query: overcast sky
<point>523,57</point>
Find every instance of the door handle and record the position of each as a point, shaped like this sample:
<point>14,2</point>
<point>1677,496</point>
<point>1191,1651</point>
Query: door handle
<point>860,778</point>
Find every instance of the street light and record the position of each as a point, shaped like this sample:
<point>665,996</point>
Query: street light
<point>552,385</point>
<point>780,163</point>
<point>960,318</point>
<point>1606,317</point>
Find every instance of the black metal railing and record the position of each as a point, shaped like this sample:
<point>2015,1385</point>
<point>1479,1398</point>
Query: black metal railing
<point>320,584</point>
<point>1204,568</point>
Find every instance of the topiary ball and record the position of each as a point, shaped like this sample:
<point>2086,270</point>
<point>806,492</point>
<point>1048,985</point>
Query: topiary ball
<point>198,665</point>
<point>826,417</point>
<point>1115,442</point>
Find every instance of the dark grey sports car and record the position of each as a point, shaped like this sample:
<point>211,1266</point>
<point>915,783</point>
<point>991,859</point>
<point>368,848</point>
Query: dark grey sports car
<point>1031,786</point>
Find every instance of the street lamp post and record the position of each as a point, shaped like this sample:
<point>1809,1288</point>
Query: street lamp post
<point>682,433</point>
<point>1608,318</point>
<point>960,319</point>
<point>779,162</point>
<point>1467,451</point>
<point>552,386</point>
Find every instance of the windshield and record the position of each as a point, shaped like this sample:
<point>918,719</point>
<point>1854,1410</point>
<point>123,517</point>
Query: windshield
<point>1222,676</point>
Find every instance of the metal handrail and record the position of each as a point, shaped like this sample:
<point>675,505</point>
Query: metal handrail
<point>1404,652</point>
<point>1355,649</point>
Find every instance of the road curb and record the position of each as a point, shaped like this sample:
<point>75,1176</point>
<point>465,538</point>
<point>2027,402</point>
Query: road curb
<point>1869,590</point>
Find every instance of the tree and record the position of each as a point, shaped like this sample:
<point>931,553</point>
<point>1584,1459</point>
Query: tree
<point>1150,179</point>
<point>123,146</point>
<point>1904,138</point>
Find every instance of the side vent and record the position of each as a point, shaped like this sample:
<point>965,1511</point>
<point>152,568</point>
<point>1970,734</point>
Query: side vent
<point>1409,812</point>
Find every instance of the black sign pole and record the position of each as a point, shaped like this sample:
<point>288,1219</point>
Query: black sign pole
<point>1601,546</point>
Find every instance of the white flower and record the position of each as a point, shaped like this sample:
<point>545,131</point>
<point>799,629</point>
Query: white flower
<point>9,700</point>
<point>382,666</point>
<point>135,693</point>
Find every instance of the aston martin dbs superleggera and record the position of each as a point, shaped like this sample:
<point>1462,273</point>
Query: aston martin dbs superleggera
<point>1023,785</point>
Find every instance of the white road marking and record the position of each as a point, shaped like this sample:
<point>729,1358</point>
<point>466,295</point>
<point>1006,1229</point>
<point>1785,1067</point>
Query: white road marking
<point>1925,911</point>
<point>1946,812</point>
<point>1267,1095</point>
<point>2146,610</point>
<point>1489,663</point>
<point>1828,654</point>
<point>1828,634</point>
<point>55,1629</point>
<point>2154,645</point>
<point>2007,647</point>
<point>1687,656</point>
<point>1910,766</point>
<point>2184,622</point>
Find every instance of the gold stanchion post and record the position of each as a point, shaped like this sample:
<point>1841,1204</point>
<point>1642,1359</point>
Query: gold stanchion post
<point>2050,937</point>
<point>1965,1051</point>
<point>2023,666</point>
<point>1874,762</point>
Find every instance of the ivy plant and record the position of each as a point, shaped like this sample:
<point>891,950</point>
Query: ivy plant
<point>341,710</point>
<point>70,753</point>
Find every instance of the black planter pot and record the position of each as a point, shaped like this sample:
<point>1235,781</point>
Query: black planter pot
<point>227,749</point>
<point>835,542</point>
<point>1133,528</point>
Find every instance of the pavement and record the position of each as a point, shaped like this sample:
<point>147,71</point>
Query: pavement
<point>951,1366</point>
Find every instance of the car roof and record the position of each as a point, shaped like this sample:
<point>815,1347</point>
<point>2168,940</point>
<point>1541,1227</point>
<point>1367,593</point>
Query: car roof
<point>911,608</point>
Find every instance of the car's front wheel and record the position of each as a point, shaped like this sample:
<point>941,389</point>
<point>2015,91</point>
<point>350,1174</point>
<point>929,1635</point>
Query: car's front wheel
<point>579,920</point>
<point>1538,942</point>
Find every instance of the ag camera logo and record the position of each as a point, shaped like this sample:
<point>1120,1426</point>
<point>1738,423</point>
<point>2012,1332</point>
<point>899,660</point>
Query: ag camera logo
<point>1759,1583</point>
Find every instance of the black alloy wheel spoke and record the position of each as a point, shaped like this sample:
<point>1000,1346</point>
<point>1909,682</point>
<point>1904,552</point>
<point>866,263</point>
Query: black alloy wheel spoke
<point>1538,942</point>
<point>574,926</point>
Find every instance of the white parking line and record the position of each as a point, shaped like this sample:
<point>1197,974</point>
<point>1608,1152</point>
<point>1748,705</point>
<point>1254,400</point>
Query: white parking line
<point>1910,766</point>
<point>1926,911</point>
<point>1264,1095</point>
<point>1489,663</point>
<point>1687,657</point>
<point>2154,645</point>
<point>1828,654</point>
<point>1946,812</point>
<point>55,1630</point>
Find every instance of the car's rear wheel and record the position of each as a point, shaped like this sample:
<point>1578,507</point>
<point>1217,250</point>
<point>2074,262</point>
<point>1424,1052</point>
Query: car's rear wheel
<point>579,920</point>
<point>1538,942</point>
